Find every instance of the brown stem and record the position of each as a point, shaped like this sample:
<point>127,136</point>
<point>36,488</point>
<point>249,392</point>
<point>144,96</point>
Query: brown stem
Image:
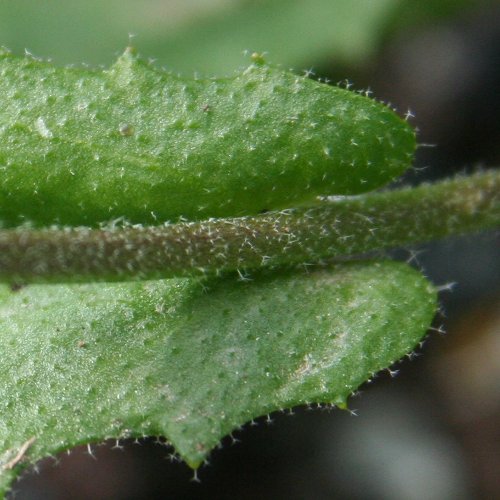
<point>343,226</point>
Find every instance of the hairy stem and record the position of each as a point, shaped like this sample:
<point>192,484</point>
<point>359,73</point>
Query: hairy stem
<point>338,227</point>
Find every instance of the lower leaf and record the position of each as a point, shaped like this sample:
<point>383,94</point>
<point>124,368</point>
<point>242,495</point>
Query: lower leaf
<point>192,360</point>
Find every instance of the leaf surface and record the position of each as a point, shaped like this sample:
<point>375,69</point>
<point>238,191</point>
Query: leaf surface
<point>193,360</point>
<point>82,147</point>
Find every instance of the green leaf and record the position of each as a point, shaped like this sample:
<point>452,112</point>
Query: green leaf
<point>188,36</point>
<point>295,32</point>
<point>210,35</point>
<point>194,360</point>
<point>193,36</point>
<point>83,147</point>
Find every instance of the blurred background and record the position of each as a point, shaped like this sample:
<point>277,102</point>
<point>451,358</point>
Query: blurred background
<point>433,432</point>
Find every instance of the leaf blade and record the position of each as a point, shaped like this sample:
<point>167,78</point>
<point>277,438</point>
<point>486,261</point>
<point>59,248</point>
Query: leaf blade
<point>84,363</point>
<point>82,147</point>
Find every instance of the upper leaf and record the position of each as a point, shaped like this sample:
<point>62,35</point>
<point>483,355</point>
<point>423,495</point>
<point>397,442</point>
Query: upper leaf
<point>83,363</point>
<point>83,147</point>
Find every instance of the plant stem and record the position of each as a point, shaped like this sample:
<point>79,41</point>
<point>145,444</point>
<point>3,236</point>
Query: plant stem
<point>338,227</point>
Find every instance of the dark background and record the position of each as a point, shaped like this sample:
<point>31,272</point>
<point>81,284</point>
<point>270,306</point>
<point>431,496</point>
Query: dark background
<point>434,430</point>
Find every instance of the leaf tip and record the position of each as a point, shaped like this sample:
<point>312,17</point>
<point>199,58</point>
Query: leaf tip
<point>4,51</point>
<point>258,58</point>
<point>129,55</point>
<point>130,51</point>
